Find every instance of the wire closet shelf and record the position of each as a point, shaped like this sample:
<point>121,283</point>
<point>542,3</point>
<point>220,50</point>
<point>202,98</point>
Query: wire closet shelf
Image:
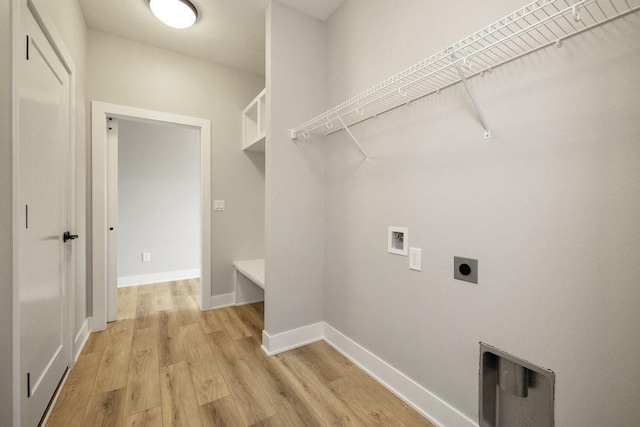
<point>534,26</point>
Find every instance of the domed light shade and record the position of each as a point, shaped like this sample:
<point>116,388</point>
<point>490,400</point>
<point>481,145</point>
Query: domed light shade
<point>174,13</point>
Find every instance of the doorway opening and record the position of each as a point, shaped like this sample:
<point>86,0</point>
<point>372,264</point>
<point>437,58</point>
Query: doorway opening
<point>154,214</point>
<point>105,195</point>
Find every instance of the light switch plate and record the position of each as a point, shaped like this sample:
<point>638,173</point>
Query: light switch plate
<point>146,257</point>
<point>415,259</point>
<point>218,205</point>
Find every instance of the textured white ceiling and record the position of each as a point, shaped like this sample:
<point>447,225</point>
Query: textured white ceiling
<point>228,32</point>
<point>319,9</point>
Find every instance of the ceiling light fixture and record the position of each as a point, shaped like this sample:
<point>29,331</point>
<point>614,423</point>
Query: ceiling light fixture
<point>175,13</point>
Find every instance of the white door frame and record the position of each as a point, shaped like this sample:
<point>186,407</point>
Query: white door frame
<point>100,111</point>
<point>39,11</point>
<point>112,219</point>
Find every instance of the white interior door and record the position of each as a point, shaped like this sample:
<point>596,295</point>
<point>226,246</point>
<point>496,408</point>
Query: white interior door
<point>112,219</point>
<point>44,141</point>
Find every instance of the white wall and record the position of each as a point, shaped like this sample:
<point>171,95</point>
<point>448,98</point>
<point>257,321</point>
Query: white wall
<point>125,72</point>
<point>6,227</point>
<point>295,172</point>
<point>549,206</point>
<point>158,198</point>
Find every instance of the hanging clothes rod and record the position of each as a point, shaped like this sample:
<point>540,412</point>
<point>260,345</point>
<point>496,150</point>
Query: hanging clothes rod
<point>526,30</point>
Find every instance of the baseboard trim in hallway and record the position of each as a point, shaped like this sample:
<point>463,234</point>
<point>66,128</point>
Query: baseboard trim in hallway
<point>167,276</point>
<point>285,341</point>
<point>221,301</point>
<point>413,394</point>
<point>79,342</point>
<point>81,339</point>
<point>54,399</point>
<point>228,300</point>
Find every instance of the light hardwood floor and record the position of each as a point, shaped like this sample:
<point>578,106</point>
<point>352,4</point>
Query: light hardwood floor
<point>165,363</point>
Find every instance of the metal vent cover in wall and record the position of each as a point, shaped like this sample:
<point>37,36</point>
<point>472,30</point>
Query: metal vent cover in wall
<point>514,392</point>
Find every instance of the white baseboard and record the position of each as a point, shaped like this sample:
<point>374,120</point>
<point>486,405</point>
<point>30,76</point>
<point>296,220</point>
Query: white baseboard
<point>415,395</point>
<point>79,342</point>
<point>239,303</point>
<point>81,339</point>
<point>226,300</point>
<point>168,276</point>
<point>54,399</point>
<point>279,343</point>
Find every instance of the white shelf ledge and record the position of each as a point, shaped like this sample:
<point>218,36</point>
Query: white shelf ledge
<point>253,121</point>
<point>252,269</point>
<point>538,24</point>
<point>257,144</point>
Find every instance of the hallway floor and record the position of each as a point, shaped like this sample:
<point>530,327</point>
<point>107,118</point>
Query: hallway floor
<point>166,363</point>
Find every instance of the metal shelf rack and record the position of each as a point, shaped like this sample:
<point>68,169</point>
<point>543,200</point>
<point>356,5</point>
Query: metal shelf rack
<point>532,27</point>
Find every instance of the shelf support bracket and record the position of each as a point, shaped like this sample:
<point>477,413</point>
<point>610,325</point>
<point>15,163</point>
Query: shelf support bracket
<point>346,128</point>
<point>487,131</point>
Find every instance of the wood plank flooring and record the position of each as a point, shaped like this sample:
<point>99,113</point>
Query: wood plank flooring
<point>165,363</point>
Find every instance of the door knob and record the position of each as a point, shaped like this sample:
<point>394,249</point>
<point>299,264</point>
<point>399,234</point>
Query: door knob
<point>68,236</point>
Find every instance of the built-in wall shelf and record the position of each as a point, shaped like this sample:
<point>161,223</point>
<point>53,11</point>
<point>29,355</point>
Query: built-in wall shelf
<point>251,290</point>
<point>534,26</point>
<point>253,121</point>
<point>252,269</point>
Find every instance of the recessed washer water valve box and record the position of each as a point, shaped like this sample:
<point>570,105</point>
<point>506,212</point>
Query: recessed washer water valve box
<point>465,269</point>
<point>398,241</point>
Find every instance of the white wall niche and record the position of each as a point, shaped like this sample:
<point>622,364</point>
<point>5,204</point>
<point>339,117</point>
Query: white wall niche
<point>253,124</point>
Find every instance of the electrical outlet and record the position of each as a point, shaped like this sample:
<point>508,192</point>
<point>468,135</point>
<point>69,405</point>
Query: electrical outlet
<point>415,259</point>
<point>465,269</point>
<point>218,205</point>
<point>146,257</point>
